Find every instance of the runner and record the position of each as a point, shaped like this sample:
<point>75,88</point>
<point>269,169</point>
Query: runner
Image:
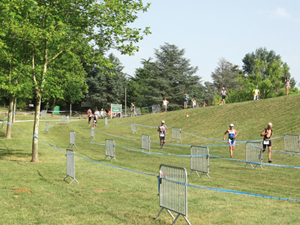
<point>287,82</point>
<point>223,93</point>
<point>256,93</point>
<point>165,104</point>
<point>133,113</point>
<point>232,134</point>
<point>194,103</point>
<point>267,133</point>
<point>89,112</point>
<point>162,134</point>
<point>95,120</point>
<point>185,100</point>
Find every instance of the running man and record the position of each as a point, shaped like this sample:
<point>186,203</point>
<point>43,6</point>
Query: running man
<point>165,104</point>
<point>256,93</point>
<point>223,93</point>
<point>162,133</point>
<point>185,100</point>
<point>287,82</point>
<point>267,133</point>
<point>133,113</point>
<point>89,112</point>
<point>95,117</point>
<point>232,134</point>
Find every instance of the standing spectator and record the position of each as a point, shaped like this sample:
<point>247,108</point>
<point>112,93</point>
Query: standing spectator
<point>194,103</point>
<point>185,100</point>
<point>133,113</point>
<point>287,82</point>
<point>256,93</point>
<point>204,104</point>
<point>97,113</point>
<point>223,93</point>
<point>165,104</point>
<point>162,129</point>
<point>89,112</point>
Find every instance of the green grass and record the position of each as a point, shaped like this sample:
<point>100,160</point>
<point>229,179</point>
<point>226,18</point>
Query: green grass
<point>34,193</point>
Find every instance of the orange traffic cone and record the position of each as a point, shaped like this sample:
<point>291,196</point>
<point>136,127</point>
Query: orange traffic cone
<point>187,114</point>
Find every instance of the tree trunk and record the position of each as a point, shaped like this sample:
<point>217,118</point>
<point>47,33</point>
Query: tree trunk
<point>35,142</point>
<point>14,109</point>
<point>54,101</point>
<point>70,109</point>
<point>9,117</point>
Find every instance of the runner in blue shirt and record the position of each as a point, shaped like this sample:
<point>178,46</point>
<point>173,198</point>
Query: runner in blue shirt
<point>232,133</point>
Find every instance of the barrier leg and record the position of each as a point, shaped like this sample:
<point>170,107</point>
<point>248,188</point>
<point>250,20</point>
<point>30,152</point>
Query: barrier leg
<point>207,175</point>
<point>159,213</point>
<point>175,219</point>
<point>201,174</point>
<point>191,172</point>
<point>186,219</point>
<point>171,214</point>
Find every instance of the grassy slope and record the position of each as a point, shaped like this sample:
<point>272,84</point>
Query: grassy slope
<point>108,195</point>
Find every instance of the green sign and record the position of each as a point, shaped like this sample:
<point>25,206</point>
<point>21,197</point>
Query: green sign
<point>116,108</point>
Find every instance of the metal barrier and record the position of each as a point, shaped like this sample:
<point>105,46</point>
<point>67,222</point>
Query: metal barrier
<point>47,127</point>
<point>106,121</point>
<point>68,120</point>
<point>291,143</point>
<point>44,114</point>
<point>138,111</point>
<point>176,134</point>
<point>72,139</point>
<point>146,142</point>
<point>254,153</point>
<point>173,191</point>
<point>156,108</point>
<point>110,149</point>
<point>200,160</point>
<point>63,119</point>
<point>3,121</point>
<point>93,132</point>
<point>133,130</point>
<point>70,165</point>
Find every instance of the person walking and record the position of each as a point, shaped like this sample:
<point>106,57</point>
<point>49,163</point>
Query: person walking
<point>185,100</point>
<point>267,133</point>
<point>165,104</point>
<point>223,93</point>
<point>194,103</point>
<point>256,93</point>
<point>89,112</point>
<point>162,129</point>
<point>232,134</point>
<point>133,113</point>
<point>287,82</point>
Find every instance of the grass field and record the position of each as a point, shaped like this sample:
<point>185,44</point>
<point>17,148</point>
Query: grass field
<point>34,193</point>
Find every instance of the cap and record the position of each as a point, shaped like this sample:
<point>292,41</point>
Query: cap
<point>231,125</point>
<point>270,124</point>
<point>163,121</point>
<point>165,98</point>
<point>223,87</point>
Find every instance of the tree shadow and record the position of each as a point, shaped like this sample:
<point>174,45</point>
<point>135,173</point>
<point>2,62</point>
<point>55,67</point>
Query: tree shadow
<point>14,154</point>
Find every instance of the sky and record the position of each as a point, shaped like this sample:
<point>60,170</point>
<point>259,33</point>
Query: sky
<point>210,30</point>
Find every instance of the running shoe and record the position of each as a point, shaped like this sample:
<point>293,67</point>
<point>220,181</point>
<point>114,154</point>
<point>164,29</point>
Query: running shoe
<point>270,160</point>
<point>162,147</point>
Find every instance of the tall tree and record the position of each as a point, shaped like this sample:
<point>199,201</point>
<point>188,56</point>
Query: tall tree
<point>225,75</point>
<point>105,88</point>
<point>51,28</point>
<point>170,75</point>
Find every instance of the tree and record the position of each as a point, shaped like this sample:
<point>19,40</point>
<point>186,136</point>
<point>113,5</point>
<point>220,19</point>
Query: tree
<point>51,28</point>
<point>105,89</point>
<point>225,75</point>
<point>170,75</point>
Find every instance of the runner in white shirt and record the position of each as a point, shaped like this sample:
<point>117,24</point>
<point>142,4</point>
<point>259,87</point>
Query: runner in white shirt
<point>162,129</point>
<point>165,104</point>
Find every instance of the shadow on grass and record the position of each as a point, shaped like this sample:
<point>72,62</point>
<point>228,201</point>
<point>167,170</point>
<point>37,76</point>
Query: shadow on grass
<point>13,155</point>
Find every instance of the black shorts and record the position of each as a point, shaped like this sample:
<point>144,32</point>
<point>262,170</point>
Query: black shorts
<point>162,138</point>
<point>95,122</point>
<point>90,118</point>
<point>223,96</point>
<point>270,144</point>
